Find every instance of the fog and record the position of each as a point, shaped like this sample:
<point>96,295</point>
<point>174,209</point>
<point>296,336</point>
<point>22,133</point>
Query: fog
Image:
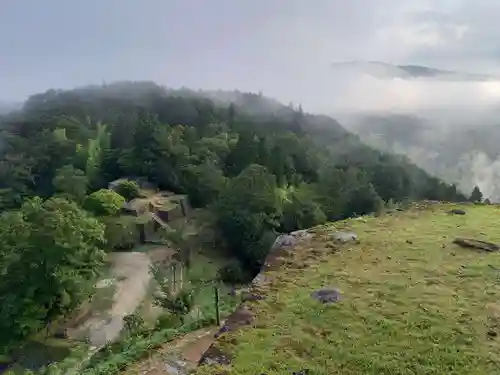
<point>291,50</point>
<point>450,125</point>
<point>357,88</point>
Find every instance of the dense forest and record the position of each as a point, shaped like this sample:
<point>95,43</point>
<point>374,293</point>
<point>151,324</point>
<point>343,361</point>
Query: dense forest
<point>258,166</point>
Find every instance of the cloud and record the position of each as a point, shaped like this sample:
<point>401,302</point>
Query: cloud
<point>383,87</point>
<point>454,35</point>
<point>282,47</point>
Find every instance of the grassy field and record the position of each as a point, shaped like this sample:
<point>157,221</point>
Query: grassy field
<point>411,301</point>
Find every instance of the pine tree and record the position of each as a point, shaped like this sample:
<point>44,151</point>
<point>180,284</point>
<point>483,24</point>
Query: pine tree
<point>476,195</point>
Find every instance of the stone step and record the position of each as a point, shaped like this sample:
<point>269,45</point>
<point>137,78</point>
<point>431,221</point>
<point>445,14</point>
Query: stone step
<point>175,366</point>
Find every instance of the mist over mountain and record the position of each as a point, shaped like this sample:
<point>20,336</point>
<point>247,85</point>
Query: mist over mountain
<point>463,152</point>
<point>6,107</point>
<point>437,61</point>
<point>445,121</point>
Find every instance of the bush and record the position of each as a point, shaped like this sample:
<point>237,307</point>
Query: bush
<point>121,232</point>
<point>133,322</point>
<point>104,202</point>
<point>167,320</point>
<point>233,273</point>
<point>180,304</point>
<point>300,212</point>
<point>128,189</point>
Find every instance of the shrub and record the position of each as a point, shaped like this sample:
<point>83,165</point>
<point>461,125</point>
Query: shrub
<point>128,189</point>
<point>121,232</point>
<point>180,304</point>
<point>104,202</point>
<point>167,320</point>
<point>233,273</point>
<point>133,322</point>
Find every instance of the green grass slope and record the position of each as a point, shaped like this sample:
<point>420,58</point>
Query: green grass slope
<point>411,301</point>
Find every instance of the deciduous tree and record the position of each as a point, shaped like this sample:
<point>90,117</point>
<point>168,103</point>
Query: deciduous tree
<point>51,252</point>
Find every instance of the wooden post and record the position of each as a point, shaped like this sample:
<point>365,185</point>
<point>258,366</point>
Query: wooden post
<point>181,269</point>
<point>170,287</point>
<point>216,298</point>
<point>173,276</point>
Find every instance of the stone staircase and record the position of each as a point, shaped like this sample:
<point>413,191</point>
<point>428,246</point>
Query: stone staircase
<point>158,220</point>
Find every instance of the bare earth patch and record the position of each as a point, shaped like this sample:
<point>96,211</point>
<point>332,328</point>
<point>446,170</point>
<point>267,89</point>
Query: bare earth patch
<point>123,291</point>
<point>412,302</point>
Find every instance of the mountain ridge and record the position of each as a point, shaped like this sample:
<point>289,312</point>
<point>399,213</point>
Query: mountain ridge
<point>385,70</point>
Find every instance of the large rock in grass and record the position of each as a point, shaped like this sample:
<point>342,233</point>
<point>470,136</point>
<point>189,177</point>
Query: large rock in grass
<point>326,295</point>
<point>476,244</point>
<point>344,237</point>
<point>286,240</point>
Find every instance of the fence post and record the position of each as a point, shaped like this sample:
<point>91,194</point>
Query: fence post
<point>170,287</point>
<point>181,276</point>
<point>174,269</point>
<point>217,312</point>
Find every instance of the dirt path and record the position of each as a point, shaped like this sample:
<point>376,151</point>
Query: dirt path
<point>177,357</point>
<point>193,351</point>
<point>130,272</point>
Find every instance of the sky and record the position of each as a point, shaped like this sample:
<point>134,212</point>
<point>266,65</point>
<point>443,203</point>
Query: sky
<point>284,48</point>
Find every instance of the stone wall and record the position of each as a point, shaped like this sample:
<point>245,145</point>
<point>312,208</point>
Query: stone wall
<point>172,214</point>
<point>242,316</point>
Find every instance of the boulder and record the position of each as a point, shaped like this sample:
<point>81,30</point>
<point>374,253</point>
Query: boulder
<point>326,295</point>
<point>215,356</point>
<point>247,296</point>
<point>285,240</point>
<point>476,244</point>
<point>344,237</point>
<point>301,234</point>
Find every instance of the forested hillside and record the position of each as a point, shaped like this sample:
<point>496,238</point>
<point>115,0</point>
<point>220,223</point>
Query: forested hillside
<point>257,166</point>
<point>458,150</point>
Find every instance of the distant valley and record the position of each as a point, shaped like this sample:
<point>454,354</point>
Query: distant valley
<point>444,120</point>
<point>464,154</point>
